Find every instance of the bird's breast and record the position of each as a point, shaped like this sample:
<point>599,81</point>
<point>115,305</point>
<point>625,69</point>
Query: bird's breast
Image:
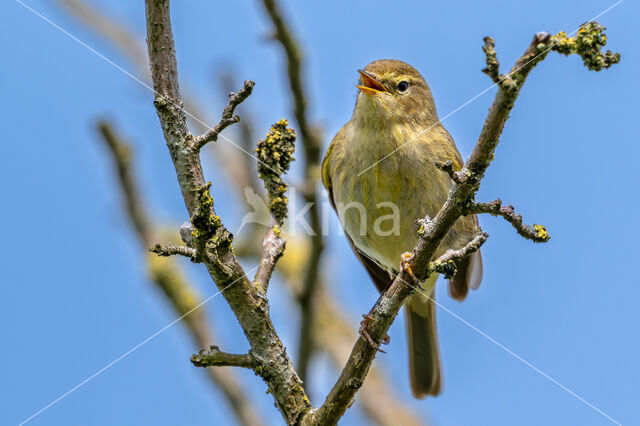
<point>386,182</point>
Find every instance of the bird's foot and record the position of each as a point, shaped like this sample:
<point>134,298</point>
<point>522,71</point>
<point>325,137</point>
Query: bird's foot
<point>367,318</point>
<point>406,268</point>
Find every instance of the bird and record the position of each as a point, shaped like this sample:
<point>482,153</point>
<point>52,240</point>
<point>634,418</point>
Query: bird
<point>381,176</point>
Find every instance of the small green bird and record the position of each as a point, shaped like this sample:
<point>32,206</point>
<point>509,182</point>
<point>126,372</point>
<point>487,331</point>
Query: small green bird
<point>381,177</point>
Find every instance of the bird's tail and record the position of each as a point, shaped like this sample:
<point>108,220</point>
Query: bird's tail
<point>425,371</point>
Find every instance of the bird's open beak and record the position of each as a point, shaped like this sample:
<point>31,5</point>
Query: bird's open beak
<point>369,84</point>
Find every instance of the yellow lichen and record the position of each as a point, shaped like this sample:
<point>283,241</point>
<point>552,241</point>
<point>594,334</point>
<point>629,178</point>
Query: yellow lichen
<point>541,232</point>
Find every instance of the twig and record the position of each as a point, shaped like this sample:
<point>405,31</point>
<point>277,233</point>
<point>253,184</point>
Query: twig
<point>275,153</point>
<point>171,249</point>
<point>238,162</point>
<point>446,264</point>
<point>214,357</point>
<point>447,167</point>
<point>460,195</point>
<point>535,233</point>
<point>312,145</point>
<point>168,277</point>
<point>228,118</point>
<point>493,65</point>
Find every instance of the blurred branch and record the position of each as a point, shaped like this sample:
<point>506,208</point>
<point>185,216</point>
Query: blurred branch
<point>129,43</point>
<point>312,145</point>
<point>167,276</point>
<point>416,266</point>
<point>111,30</point>
<point>121,155</point>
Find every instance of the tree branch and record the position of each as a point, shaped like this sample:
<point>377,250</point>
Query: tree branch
<point>214,357</point>
<point>312,145</point>
<point>434,231</point>
<point>493,66</point>
<point>535,233</point>
<point>376,399</point>
<point>228,118</point>
<point>275,153</point>
<point>447,167</point>
<point>171,249</point>
<point>169,279</point>
<point>212,240</point>
<point>446,264</point>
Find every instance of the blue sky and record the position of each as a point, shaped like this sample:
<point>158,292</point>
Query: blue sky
<point>75,294</point>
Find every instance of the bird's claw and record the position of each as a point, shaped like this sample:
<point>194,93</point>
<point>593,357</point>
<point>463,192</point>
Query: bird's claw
<point>367,337</point>
<point>406,268</point>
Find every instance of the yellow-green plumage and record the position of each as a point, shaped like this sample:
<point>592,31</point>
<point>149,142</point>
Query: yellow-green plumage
<point>383,157</point>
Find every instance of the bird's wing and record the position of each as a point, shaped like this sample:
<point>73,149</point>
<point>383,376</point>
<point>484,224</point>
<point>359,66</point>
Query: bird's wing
<point>379,275</point>
<point>469,269</point>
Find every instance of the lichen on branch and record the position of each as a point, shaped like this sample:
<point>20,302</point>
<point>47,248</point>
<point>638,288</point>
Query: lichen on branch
<point>275,154</point>
<point>588,43</point>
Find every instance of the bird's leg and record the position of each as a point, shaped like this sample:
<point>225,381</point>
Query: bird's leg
<point>367,318</point>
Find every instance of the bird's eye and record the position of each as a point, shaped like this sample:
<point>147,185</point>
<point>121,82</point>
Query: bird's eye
<point>403,86</point>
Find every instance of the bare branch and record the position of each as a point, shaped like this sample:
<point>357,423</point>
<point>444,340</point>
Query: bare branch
<point>447,167</point>
<point>446,264</point>
<point>460,195</point>
<point>171,249</point>
<point>214,357</point>
<point>535,233</point>
<point>169,279</point>
<point>228,118</point>
<point>237,161</point>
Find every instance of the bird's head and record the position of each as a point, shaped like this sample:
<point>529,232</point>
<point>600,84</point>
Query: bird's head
<point>394,92</point>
